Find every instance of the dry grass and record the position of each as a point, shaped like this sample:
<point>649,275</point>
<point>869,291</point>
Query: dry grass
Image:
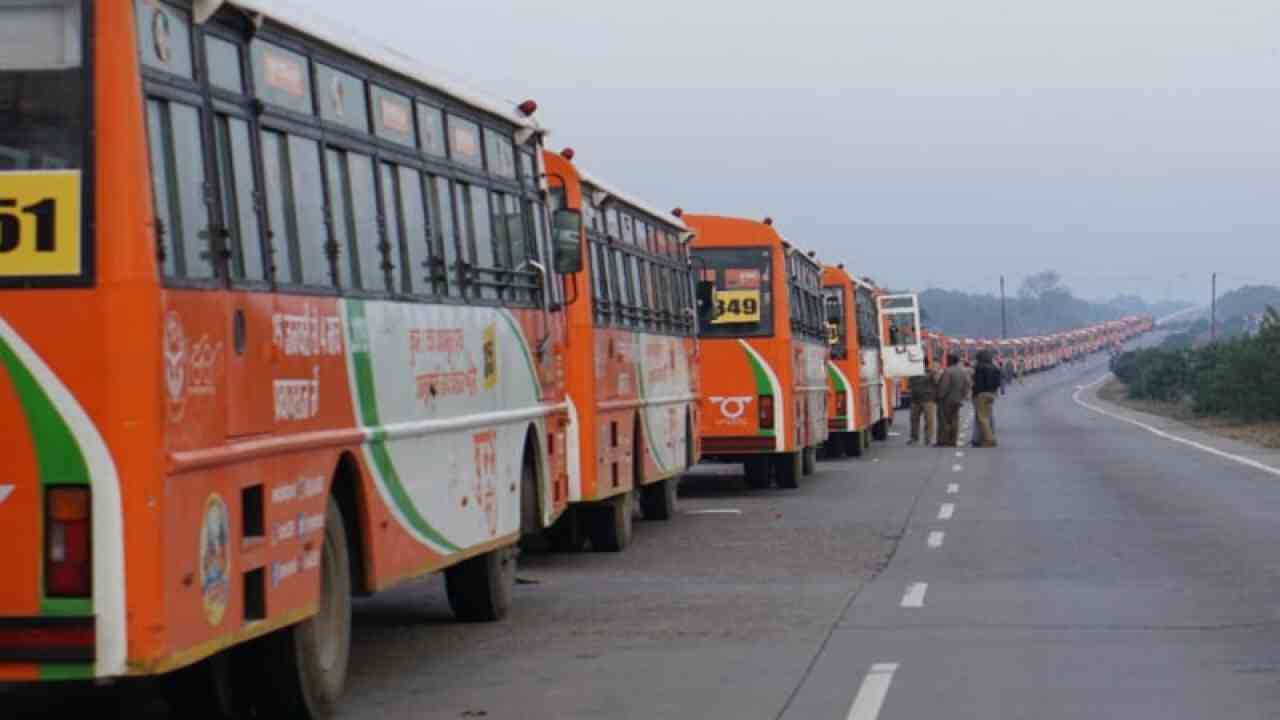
<point>1261,434</point>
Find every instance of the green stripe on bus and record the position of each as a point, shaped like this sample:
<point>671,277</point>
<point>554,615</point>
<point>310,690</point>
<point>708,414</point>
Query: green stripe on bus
<point>836,379</point>
<point>59,459</point>
<point>763,386</point>
<point>58,455</point>
<point>383,465</point>
<point>524,350</point>
<point>66,671</point>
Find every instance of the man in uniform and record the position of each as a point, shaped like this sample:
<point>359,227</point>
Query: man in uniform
<point>986,384</point>
<point>953,390</point>
<point>924,389</point>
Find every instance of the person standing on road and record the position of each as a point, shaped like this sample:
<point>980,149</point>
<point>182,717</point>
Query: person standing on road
<point>924,404</point>
<point>1006,374</point>
<point>953,390</point>
<point>986,384</point>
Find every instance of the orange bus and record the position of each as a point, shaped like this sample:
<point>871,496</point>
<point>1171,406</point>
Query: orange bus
<point>764,349</point>
<point>631,356</point>
<point>309,345</point>
<point>855,401</point>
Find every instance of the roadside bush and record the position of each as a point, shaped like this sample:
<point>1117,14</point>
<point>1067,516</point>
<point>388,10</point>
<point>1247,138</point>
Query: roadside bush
<point>1238,378</point>
<point>1154,374</point>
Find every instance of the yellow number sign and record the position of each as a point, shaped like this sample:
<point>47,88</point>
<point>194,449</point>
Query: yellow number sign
<point>40,224</point>
<point>737,306</point>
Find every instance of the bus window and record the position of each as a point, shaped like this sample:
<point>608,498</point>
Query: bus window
<point>431,130</point>
<point>164,38</point>
<point>447,231</point>
<point>311,233</point>
<point>364,213</point>
<point>223,60</point>
<point>178,178</point>
<point>245,240</point>
<point>281,77</point>
<point>743,301</point>
<point>482,239</point>
<point>343,233</point>
<point>342,98</point>
<point>836,322</point>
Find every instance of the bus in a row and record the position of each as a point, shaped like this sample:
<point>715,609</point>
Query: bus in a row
<point>286,320</point>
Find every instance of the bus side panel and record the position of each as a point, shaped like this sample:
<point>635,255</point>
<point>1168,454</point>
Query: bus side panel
<point>665,385</point>
<point>811,386</point>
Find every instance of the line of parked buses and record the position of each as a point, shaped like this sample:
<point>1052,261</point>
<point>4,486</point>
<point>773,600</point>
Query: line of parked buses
<point>285,320</point>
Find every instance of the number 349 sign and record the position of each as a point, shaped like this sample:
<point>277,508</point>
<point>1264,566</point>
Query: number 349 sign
<point>40,224</point>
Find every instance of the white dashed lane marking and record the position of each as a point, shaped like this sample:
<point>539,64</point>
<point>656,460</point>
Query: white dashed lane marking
<point>914,597</point>
<point>953,488</point>
<point>874,690</point>
<point>957,468</point>
<point>935,538</point>
<point>946,511</point>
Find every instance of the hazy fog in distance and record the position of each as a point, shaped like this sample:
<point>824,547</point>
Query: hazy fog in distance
<point>1132,146</point>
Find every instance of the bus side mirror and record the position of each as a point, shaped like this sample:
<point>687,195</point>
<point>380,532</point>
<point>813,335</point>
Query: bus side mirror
<point>706,292</point>
<point>566,235</point>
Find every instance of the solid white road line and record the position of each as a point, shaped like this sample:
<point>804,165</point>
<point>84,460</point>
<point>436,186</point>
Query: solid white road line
<point>946,511</point>
<point>914,598</point>
<point>953,488</point>
<point>714,511</point>
<point>875,688</point>
<point>957,468</point>
<point>1169,436</point>
<point>935,538</point>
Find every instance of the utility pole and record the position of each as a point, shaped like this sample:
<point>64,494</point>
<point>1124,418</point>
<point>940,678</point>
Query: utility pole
<point>1213,311</point>
<point>1004,313</point>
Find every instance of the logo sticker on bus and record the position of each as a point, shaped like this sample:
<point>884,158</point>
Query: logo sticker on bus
<point>40,224</point>
<point>215,560</point>
<point>732,408</point>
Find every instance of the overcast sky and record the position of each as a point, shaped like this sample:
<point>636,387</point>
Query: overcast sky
<point>1133,145</point>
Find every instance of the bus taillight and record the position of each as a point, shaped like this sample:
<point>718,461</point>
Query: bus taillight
<point>766,412</point>
<point>68,572</point>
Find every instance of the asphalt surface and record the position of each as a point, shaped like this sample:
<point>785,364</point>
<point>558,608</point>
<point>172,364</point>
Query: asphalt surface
<point>1087,568</point>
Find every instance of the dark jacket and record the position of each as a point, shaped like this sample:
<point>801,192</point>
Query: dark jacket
<point>924,388</point>
<point>986,379</point>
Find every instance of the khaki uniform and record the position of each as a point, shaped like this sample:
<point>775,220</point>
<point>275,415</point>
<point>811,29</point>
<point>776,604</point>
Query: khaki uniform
<point>954,388</point>
<point>924,405</point>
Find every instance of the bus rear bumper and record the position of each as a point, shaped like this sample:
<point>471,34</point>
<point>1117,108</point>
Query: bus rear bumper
<point>43,640</point>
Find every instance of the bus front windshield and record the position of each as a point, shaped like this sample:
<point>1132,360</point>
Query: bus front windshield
<point>743,299</point>
<point>41,85</point>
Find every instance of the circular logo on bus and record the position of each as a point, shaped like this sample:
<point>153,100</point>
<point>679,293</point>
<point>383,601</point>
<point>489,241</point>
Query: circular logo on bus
<point>215,559</point>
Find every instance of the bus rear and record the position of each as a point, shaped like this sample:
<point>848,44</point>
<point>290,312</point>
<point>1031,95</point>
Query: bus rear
<point>851,330</point>
<point>764,350</point>
<point>62,611</point>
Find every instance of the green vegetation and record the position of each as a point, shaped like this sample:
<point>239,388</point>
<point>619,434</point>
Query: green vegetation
<point>1234,378</point>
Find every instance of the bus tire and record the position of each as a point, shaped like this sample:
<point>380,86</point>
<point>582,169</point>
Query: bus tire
<point>852,444</point>
<point>204,691</point>
<point>609,524</point>
<point>809,461</point>
<point>658,500</point>
<point>787,469</point>
<point>480,588</point>
<point>880,431</point>
<point>758,472</point>
<point>566,534</point>
<point>833,448</point>
<point>306,664</point>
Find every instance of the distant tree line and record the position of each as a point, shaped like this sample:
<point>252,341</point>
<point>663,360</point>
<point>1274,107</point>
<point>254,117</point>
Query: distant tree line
<point>1235,377</point>
<point>1042,305</point>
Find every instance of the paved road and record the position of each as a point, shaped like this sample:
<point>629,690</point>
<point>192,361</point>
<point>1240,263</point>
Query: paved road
<point>1086,569</point>
<point>1090,569</point>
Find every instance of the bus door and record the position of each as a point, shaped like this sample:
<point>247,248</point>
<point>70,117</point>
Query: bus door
<point>902,354</point>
